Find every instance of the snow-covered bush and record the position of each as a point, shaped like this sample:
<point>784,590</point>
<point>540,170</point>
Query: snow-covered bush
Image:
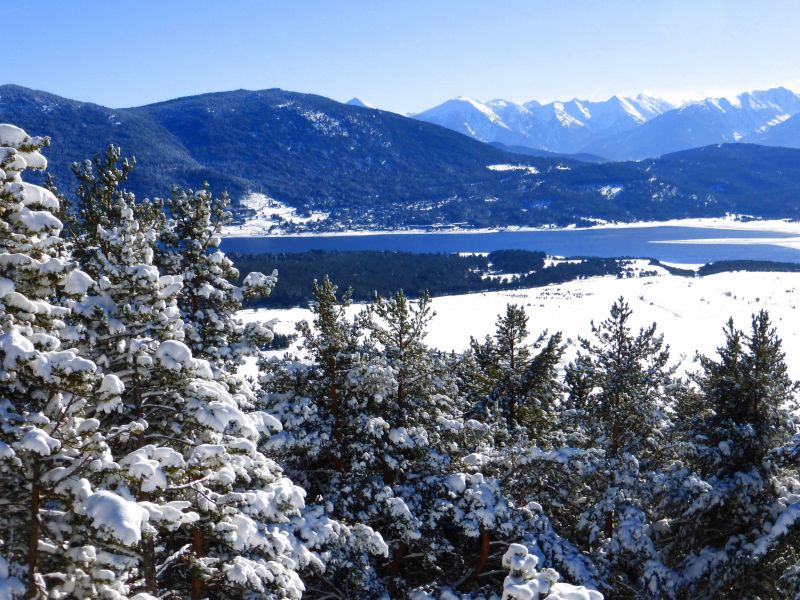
<point>524,582</point>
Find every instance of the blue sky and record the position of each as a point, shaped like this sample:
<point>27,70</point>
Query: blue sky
<point>401,55</point>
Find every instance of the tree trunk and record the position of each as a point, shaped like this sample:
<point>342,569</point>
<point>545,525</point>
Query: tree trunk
<point>197,550</point>
<point>483,558</point>
<point>389,474</point>
<point>337,435</point>
<point>395,566</point>
<point>33,543</point>
<point>616,435</point>
<point>609,524</point>
<point>149,565</point>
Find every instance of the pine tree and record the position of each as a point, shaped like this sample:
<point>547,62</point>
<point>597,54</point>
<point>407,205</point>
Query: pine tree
<point>503,360</point>
<point>733,522</point>
<point>189,247</point>
<point>326,437</point>
<point>218,511</point>
<point>51,448</point>
<point>749,391</point>
<point>619,394</point>
<point>517,377</point>
<point>510,469</point>
<point>423,390</point>
<point>423,424</point>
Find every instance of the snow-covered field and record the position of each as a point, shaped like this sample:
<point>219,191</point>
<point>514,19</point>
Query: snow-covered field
<point>269,219</point>
<point>690,312</point>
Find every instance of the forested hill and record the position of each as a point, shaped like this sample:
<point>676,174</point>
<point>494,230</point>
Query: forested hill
<point>371,168</point>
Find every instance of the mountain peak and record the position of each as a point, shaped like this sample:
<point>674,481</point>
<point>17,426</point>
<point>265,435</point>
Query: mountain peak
<point>358,102</point>
<point>610,127</point>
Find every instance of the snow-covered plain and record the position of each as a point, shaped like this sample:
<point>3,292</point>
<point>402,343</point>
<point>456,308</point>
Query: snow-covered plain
<point>690,312</point>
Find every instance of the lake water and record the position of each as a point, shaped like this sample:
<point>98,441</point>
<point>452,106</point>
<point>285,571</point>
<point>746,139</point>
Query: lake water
<point>635,242</point>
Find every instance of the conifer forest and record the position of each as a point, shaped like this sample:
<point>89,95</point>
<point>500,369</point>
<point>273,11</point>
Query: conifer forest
<point>138,462</point>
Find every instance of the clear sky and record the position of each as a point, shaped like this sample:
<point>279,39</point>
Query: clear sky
<point>401,55</point>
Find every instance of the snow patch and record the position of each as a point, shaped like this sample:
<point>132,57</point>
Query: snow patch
<point>120,518</point>
<point>502,168</point>
<point>610,191</point>
<point>39,442</point>
<point>77,283</point>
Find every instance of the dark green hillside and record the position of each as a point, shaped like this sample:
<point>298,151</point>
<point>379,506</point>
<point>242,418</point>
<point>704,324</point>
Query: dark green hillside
<point>757,180</point>
<point>311,151</point>
<point>80,129</point>
<point>374,169</point>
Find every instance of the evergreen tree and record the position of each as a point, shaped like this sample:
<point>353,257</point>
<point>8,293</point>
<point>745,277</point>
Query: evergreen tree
<point>749,391</point>
<point>733,522</point>
<point>50,447</point>
<point>514,388</point>
<point>136,463</point>
<point>518,378</point>
<point>218,511</point>
<point>619,393</point>
<point>209,299</point>
<point>503,360</point>
<point>422,424</point>
<point>326,437</point>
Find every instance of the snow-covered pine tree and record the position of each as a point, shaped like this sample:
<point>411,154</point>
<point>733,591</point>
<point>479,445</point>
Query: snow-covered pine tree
<point>507,472</point>
<point>130,307</point>
<point>502,360</point>
<point>421,425</point>
<point>50,448</point>
<point>209,299</point>
<point>315,422</point>
<point>515,384</point>
<point>517,377</point>
<point>218,510</point>
<point>619,391</point>
<point>325,440</point>
<point>732,523</point>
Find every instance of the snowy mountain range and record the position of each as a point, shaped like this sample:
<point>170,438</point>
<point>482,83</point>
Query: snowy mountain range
<point>623,128</point>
